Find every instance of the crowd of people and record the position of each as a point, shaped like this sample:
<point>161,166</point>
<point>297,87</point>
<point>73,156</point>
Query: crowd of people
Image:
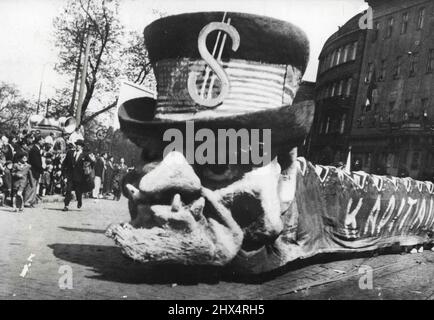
<point>33,166</point>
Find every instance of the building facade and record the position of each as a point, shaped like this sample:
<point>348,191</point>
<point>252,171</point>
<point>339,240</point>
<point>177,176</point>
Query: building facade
<point>339,69</point>
<point>393,127</point>
<point>386,115</point>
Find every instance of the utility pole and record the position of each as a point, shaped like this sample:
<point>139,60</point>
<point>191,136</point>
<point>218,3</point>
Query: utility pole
<point>77,73</point>
<point>83,71</point>
<point>83,79</point>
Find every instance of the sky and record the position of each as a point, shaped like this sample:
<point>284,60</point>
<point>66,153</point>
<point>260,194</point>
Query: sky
<point>28,55</point>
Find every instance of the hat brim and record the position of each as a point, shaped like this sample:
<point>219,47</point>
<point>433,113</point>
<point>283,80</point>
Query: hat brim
<point>288,124</point>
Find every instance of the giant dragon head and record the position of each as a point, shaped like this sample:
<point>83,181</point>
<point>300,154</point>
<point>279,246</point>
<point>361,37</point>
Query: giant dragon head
<point>256,217</point>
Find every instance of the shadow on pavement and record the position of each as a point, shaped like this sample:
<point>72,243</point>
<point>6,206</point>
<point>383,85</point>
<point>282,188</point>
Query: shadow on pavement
<point>83,230</point>
<point>61,209</point>
<point>110,265</point>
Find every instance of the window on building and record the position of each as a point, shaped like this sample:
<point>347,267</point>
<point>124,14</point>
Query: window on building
<point>382,75</point>
<point>376,32</point>
<point>341,88</point>
<point>333,90</point>
<point>348,88</point>
<point>346,53</point>
<point>327,126</point>
<point>404,23</point>
<point>337,57</point>
<point>421,18</point>
<point>430,64</point>
<point>342,124</point>
<point>332,59</point>
<point>390,23</point>
<point>414,60</point>
<point>397,68</point>
<point>354,51</point>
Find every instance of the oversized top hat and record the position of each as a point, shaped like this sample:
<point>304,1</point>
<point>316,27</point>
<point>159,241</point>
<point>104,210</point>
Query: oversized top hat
<point>220,70</point>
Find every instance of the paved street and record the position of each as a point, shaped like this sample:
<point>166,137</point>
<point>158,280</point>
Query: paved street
<point>48,240</point>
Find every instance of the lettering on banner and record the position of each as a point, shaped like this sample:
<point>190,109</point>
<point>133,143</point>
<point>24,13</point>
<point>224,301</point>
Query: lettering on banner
<point>373,215</point>
<point>350,217</point>
<point>411,202</point>
<point>430,219</point>
<point>387,214</point>
<point>420,214</point>
<point>396,217</point>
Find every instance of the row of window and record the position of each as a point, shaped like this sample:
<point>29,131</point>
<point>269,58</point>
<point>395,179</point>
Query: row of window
<point>414,64</point>
<point>339,88</point>
<point>376,119</point>
<point>394,160</point>
<point>333,124</point>
<point>390,160</point>
<point>341,55</point>
<point>405,18</point>
<point>408,105</point>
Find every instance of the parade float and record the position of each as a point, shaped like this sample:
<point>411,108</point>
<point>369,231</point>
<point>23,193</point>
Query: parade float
<point>241,71</point>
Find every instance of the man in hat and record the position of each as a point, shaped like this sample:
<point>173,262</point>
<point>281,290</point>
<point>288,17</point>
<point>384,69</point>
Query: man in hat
<point>35,160</point>
<point>100,168</point>
<point>72,169</point>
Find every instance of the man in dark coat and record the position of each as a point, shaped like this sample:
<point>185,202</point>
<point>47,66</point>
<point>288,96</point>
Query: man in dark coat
<point>100,167</point>
<point>35,161</point>
<point>73,170</point>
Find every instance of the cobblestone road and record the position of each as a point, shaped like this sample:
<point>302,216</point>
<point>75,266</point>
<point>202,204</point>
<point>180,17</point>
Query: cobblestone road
<point>52,239</point>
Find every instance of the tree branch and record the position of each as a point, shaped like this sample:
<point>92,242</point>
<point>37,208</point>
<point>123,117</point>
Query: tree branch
<point>96,114</point>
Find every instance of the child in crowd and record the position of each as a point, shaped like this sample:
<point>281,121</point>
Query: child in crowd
<point>2,195</point>
<point>45,185</point>
<point>20,177</point>
<point>57,182</point>
<point>7,180</point>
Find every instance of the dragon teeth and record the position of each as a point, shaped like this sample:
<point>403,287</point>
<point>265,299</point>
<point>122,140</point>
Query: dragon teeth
<point>197,207</point>
<point>176,203</point>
